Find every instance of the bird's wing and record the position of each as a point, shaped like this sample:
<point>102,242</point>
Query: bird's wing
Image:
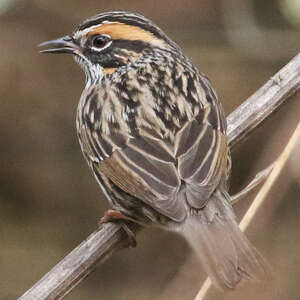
<point>201,149</point>
<point>141,166</point>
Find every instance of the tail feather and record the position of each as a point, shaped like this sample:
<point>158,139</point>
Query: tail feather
<point>226,254</point>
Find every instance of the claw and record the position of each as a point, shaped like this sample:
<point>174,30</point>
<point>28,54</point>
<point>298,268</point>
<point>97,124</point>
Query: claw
<point>116,216</point>
<point>111,215</point>
<point>130,235</point>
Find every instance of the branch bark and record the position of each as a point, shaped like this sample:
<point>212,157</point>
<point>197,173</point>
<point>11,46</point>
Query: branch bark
<point>102,243</point>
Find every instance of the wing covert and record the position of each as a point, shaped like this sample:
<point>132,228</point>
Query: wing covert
<point>145,169</point>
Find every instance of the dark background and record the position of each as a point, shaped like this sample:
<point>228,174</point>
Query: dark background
<point>49,200</point>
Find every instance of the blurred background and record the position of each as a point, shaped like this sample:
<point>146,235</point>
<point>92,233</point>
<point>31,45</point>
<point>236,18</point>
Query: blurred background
<point>49,200</point>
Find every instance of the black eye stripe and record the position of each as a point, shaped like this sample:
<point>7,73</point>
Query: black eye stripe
<point>134,45</point>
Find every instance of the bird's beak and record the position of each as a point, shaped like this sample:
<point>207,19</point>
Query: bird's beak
<point>64,44</point>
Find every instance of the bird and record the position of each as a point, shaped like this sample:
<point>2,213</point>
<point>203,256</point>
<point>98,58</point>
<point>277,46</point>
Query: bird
<point>153,131</point>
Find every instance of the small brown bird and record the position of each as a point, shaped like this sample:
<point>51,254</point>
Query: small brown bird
<point>153,131</point>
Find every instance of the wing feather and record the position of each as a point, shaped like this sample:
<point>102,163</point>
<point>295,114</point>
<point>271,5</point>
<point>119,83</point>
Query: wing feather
<point>147,171</point>
<point>165,175</point>
<point>201,149</point>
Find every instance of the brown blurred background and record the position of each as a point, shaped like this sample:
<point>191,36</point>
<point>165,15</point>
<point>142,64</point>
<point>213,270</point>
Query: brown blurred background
<point>49,201</point>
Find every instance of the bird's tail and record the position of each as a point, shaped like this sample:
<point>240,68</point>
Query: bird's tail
<point>224,251</point>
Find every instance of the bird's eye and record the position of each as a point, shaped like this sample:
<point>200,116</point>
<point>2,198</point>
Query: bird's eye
<point>100,41</point>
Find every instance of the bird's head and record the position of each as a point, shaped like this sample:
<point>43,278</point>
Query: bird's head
<point>108,41</point>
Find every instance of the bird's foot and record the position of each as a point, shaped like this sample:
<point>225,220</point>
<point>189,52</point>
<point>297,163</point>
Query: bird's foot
<point>115,216</point>
<point>111,215</point>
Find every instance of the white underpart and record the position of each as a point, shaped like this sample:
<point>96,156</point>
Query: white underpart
<point>93,72</point>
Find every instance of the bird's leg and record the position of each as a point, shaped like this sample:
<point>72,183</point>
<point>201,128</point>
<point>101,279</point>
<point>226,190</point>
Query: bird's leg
<point>115,216</point>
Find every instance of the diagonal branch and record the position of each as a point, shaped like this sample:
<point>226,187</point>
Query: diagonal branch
<point>102,243</point>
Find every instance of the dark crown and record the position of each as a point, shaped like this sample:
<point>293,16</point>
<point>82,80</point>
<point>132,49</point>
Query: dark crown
<point>129,18</point>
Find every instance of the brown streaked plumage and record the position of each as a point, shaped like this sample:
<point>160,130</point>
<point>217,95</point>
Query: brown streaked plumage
<point>153,132</point>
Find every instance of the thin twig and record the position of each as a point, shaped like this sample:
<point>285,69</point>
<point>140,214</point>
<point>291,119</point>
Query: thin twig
<point>102,243</point>
<point>259,178</point>
<point>259,199</point>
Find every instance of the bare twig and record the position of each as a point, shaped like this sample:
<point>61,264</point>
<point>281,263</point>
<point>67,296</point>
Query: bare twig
<point>259,178</point>
<point>102,243</point>
<point>259,199</point>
